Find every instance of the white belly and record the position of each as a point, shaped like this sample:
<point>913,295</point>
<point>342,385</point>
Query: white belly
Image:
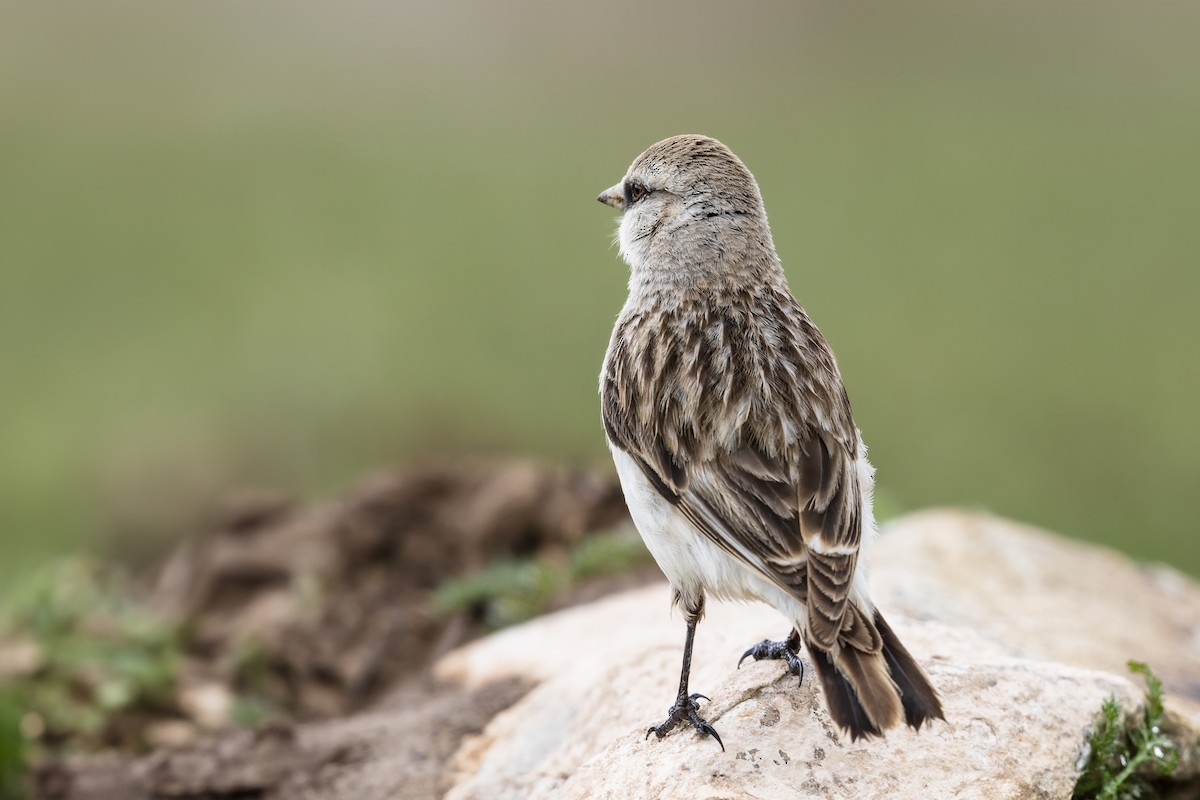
<point>692,562</point>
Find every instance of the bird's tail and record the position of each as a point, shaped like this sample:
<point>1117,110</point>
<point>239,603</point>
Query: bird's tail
<point>869,692</point>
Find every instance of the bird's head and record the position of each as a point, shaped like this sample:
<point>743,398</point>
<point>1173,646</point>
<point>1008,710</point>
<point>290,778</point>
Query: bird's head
<point>690,210</point>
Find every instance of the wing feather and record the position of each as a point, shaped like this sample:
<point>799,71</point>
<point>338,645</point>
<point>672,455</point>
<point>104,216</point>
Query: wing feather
<point>760,457</point>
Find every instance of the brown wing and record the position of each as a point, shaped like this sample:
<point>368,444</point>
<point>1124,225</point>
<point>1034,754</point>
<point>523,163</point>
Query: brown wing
<point>757,452</point>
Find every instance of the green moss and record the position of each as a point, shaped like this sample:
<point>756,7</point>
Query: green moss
<point>1118,757</point>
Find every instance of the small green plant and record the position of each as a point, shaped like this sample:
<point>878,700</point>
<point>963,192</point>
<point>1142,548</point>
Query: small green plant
<point>85,665</point>
<point>82,657</point>
<point>505,592</point>
<point>515,590</point>
<point>607,554</point>
<point>1116,756</point>
<point>12,747</point>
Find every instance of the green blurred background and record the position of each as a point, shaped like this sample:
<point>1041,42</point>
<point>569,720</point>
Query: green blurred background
<point>284,243</point>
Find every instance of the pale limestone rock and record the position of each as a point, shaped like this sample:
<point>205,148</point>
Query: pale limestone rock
<point>1041,595</point>
<point>1007,621</point>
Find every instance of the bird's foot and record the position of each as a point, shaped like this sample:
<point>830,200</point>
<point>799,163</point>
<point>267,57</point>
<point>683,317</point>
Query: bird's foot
<point>776,650</point>
<point>685,710</point>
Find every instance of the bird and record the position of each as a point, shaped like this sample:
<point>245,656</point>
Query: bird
<point>734,442</point>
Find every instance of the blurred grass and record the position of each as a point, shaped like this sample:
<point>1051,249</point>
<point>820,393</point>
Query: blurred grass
<point>288,243</point>
<point>83,665</point>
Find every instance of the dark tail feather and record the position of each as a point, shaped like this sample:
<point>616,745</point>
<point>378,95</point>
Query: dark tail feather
<point>918,697</point>
<point>888,682</point>
<point>844,706</point>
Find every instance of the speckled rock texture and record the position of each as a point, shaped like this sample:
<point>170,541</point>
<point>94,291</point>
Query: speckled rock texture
<point>1023,633</point>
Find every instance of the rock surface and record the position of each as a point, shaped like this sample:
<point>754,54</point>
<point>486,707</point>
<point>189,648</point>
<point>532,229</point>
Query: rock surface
<point>1042,596</point>
<point>1024,634</point>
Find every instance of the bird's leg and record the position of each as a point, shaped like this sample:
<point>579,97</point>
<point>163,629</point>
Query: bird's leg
<point>787,650</point>
<point>685,708</point>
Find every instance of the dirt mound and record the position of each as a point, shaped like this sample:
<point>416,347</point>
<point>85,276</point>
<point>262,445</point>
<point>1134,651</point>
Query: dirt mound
<point>400,752</point>
<point>324,606</point>
<point>316,611</point>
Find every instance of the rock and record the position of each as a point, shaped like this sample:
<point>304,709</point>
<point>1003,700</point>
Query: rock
<point>20,658</point>
<point>1023,633</point>
<point>170,733</point>
<point>209,703</point>
<point>1042,596</point>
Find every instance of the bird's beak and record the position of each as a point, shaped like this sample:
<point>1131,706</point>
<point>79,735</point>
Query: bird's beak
<point>614,196</point>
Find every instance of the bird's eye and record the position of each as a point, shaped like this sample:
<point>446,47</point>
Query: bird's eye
<point>633,192</point>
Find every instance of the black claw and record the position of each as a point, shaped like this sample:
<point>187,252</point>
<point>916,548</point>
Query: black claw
<point>782,651</point>
<point>685,710</point>
<point>708,730</point>
<point>747,654</point>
